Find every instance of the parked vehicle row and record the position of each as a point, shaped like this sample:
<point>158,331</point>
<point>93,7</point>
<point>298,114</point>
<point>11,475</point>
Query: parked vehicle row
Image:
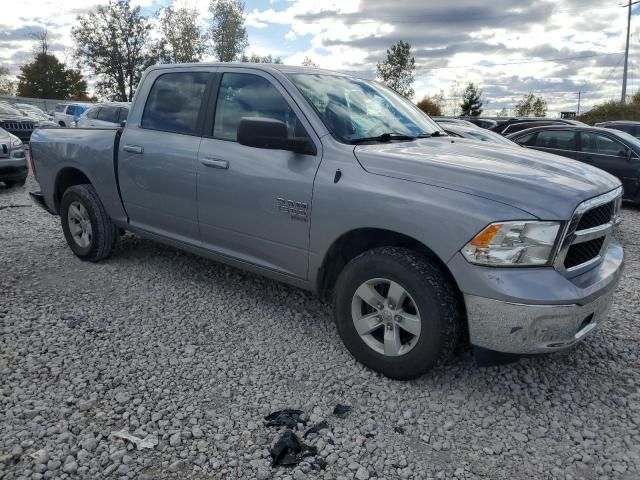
<point>340,186</point>
<point>13,159</point>
<point>67,114</point>
<point>104,115</point>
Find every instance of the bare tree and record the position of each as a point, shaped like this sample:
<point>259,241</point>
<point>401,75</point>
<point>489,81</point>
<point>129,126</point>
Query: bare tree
<point>227,31</point>
<point>255,58</point>
<point>113,40</point>
<point>182,39</point>
<point>308,62</point>
<point>7,85</point>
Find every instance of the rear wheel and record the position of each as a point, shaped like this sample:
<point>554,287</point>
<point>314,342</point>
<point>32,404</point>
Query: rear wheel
<point>89,231</point>
<point>397,312</point>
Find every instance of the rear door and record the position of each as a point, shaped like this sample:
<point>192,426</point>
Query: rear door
<point>108,116</point>
<point>609,154</point>
<point>158,154</point>
<point>559,142</point>
<point>254,204</point>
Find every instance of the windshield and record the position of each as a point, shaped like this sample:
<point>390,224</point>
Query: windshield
<point>354,109</point>
<point>487,136</point>
<point>7,110</point>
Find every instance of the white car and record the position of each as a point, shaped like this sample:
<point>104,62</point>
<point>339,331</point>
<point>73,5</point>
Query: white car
<point>104,115</point>
<point>66,114</point>
<point>37,111</point>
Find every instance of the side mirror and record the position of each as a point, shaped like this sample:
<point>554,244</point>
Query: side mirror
<point>271,134</point>
<point>123,123</point>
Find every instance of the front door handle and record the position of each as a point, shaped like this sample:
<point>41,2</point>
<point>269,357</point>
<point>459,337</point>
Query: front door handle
<point>215,163</point>
<point>133,149</point>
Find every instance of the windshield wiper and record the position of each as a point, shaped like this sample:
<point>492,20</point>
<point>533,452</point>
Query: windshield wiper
<point>385,137</point>
<point>437,133</point>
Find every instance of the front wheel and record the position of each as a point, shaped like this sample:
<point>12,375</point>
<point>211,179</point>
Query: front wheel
<point>397,312</point>
<point>89,231</point>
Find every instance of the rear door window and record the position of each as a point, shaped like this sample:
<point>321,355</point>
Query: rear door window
<point>109,114</point>
<point>175,101</point>
<point>556,139</point>
<point>71,110</point>
<point>92,112</point>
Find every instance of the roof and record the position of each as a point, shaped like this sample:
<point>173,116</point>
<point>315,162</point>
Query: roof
<point>267,67</point>
<point>619,122</point>
<point>566,126</point>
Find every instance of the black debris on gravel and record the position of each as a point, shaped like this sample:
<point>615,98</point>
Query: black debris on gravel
<point>285,418</point>
<point>289,450</point>
<point>341,411</point>
<point>316,428</point>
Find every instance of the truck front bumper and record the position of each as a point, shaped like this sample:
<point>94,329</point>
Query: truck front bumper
<point>527,311</point>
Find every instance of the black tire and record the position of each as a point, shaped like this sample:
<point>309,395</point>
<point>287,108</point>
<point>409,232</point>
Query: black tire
<point>104,232</point>
<point>436,299</point>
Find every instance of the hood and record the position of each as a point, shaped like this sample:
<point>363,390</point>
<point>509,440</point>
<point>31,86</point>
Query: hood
<point>544,185</point>
<point>15,118</point>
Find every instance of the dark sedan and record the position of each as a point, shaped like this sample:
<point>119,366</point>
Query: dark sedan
<point>613,151</point>
<point>514,125</point>
<point>632,128</point>
<point>16,123</point>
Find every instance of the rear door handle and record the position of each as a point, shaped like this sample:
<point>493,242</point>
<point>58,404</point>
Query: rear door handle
<point>215,163</point>
<point>133,149</point>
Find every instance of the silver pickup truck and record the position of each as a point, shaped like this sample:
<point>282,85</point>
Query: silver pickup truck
<point>340,186</point>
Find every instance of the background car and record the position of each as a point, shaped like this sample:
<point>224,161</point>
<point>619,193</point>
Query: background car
<point>613,151</point>
<point>481,122</point>
<point>475,133</point>
<point>104,115</point>
<point>66,114</point>
<point>27,107</point>
<point>13,160</point>
<point>628,126</point>
<point>513,125</point>
<point>457,121</point>
<point>16,123</point>
<point>40,118</point>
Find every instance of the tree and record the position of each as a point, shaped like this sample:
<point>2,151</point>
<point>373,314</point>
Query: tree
<point>182,39</point>
<point>308,62</point>
<point>113,40</point>
<point>7,85</point>
<point>429,106</point>
<point>531,105</point>
<point>255,58</point>
<point>471,104</point>
<point>504,113</point>
<point>47,77</point>
<point>397,70</point>
<point>227,31</point>
<point>613,110</point>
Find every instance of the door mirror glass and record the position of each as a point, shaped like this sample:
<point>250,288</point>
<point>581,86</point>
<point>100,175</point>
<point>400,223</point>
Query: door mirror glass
<point>271,134</point>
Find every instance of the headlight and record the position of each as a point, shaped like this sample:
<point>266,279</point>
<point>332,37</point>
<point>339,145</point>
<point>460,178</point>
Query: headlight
<point>15,142</point>
<point>513,244</point>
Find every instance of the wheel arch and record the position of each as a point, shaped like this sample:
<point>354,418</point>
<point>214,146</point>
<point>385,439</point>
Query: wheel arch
<point>67,177</point>
<point>355,242</point>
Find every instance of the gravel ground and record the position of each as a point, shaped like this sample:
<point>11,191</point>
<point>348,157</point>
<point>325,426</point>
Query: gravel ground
<point>156,341</point>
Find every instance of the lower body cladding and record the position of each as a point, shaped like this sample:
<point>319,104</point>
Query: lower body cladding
<point>529,311</point>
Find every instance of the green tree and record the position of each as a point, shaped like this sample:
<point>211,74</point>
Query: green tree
<point>430,106</point>
<point>113,40</point>
<point>504,113</point>
<point>182,39</point>
<point>255,58</point>
<point>471,105</point>
<point>398,69</point>
<point>613,110</point>
<point>227,31</point>
<point>531,105</point>
<point>47,77</point>
<point>7,85</point>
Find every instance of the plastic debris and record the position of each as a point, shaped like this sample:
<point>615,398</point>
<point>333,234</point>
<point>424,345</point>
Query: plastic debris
<point>341,411</point>
<point>398,429</point>
<point>316,428</point>
<point>285,418</point>
<point>290,450</point>
<point>149,441</point>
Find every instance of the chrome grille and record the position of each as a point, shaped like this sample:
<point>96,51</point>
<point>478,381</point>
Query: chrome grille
<point>17,125</point>
<point>588,233</point>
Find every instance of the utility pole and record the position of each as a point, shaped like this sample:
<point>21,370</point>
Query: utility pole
<point>626,52</point>
<point>579,97</point>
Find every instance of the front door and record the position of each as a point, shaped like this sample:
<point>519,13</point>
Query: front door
<point>158,156</point>
<point>255,204</point>
<point>609,154</point>
<point>559,142</point>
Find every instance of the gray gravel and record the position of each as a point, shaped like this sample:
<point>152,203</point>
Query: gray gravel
<point>158,342</point>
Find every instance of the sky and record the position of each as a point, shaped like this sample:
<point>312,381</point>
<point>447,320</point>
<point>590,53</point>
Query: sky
<point>553,48</point>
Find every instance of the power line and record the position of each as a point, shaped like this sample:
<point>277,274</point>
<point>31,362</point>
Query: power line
<point>577,57</point>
